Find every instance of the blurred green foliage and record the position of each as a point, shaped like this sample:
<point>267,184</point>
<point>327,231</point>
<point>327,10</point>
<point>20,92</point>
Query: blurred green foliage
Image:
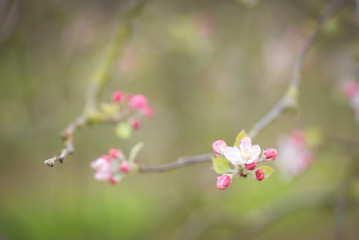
<point>210,68</point>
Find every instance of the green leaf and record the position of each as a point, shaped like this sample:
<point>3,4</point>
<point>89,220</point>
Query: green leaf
<point>267,170</point>
<point>220,165</point>
<point>239,137</point>
<point>134,151</point>
<point>123,130</point>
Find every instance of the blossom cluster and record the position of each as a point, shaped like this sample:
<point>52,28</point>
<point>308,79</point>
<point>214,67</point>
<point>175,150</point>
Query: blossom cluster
<point>111,167</point>
<point>126,111</point>
<point>245,158</point>
<point>351,90</point>
<point>295,155</point>
<point>133,105</point>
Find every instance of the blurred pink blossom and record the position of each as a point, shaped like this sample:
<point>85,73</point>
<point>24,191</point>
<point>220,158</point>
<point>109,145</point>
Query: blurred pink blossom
<point>351,90</point>
<point>102,167</point>
<point>294,155</point>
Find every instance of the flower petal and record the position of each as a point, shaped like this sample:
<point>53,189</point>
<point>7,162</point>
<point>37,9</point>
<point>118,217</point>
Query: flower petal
<point>245,144</point>
<point>102,176</point>
<point>233,154</point>
<point>255,151</point>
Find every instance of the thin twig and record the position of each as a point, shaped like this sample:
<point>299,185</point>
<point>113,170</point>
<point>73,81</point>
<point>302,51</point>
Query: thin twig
<point>182,161</point>
<point>290,98</point>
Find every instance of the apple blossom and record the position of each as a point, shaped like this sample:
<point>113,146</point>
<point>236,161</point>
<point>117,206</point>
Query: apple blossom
<point>351,90</point>
<point>135,123</point>
<point>103,169</point>
<point>148,111</point>
<point>117,96</point>
<point>138,101</point>
<point>242,159</point>
<point>246,153</point>
<point>294,155</point>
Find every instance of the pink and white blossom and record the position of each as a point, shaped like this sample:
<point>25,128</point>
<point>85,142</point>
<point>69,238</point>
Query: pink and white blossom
<point>117,96</point>
<point>135,123</point>
<point>351,90</point>
<point>245,154</point>
<point>148,112</point>
<point>294,155</point>
<point>103,169</point>
<point>138,101</point>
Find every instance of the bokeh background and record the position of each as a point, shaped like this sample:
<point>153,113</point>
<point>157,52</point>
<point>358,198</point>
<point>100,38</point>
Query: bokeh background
<point>209,68</point>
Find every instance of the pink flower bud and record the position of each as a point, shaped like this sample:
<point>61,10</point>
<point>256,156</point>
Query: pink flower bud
<point>218,146</point>
<point>135,123</point>
<point>270,153</point>
<point>112,181</point>
<point>114,152</point>
<point>107,158</point>
<point>117,96</point>
<point>260,175</point>
<point>124,167</point>
<point>148,112</point>
<point>251,166</point>
<point>138,101</point>
<point>223,182</point>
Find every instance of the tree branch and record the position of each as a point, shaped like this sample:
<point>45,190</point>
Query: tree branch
<point>290,98</point>
<point>182,161</point>
<point>91,114</point>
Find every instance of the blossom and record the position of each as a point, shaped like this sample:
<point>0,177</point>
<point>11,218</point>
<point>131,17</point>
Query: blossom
<point>117,96</point>
<point>351,90</point>
<point>294,155</point>
<point>245,154</point>
<point>135,123</point>
<point>218,146</point>
<point>223,182</point>
<point>103,169</point>
<point>148,111</point>
<point>138,101</point>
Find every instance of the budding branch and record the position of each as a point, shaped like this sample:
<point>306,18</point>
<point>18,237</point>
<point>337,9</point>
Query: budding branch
<point>91,114</point>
